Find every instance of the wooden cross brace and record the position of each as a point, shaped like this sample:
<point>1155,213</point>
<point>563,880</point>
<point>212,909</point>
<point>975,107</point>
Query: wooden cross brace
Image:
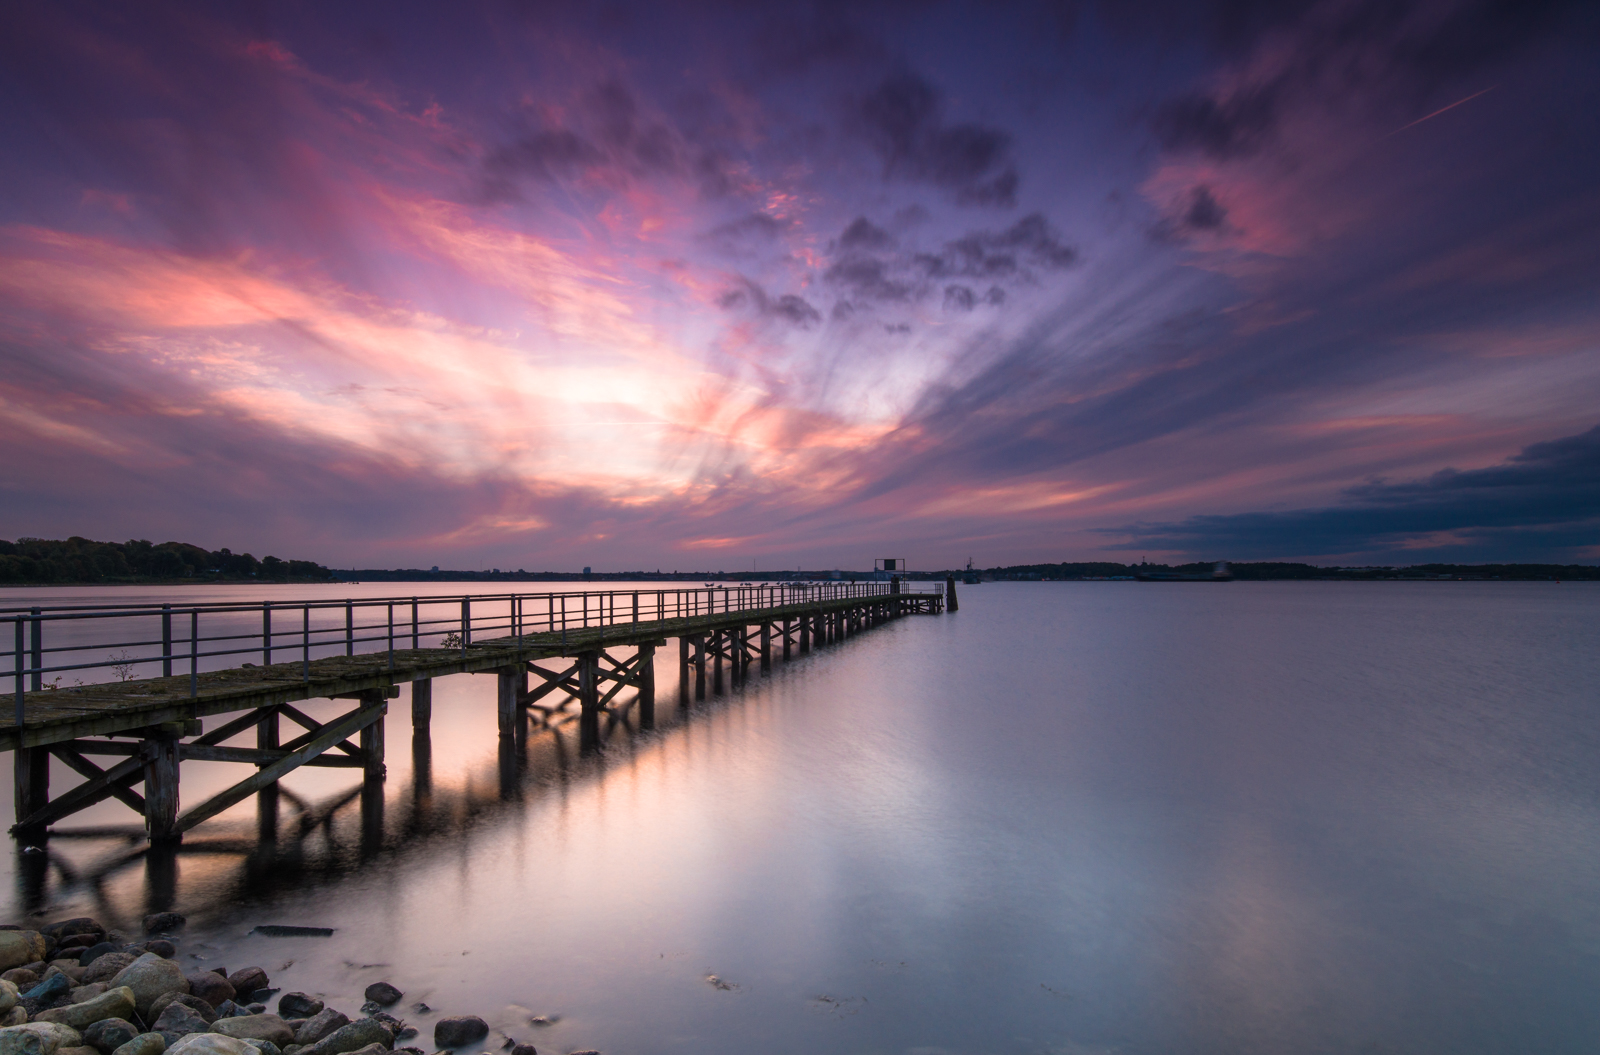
<point>307,749</point>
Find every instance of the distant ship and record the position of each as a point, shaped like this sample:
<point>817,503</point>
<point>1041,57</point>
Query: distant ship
<point>1218,574</point>
<point>970,576</point>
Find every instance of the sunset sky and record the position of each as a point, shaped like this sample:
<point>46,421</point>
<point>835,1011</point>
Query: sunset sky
<point>706,285</point>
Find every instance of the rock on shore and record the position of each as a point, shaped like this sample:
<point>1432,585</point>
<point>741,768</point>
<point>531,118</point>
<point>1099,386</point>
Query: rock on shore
<point>75,988</point>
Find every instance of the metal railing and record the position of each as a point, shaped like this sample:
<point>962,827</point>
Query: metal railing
<point>144,640</point>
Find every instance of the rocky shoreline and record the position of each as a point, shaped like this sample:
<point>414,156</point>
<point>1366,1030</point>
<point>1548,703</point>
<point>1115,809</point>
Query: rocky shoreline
<point>75,988</point>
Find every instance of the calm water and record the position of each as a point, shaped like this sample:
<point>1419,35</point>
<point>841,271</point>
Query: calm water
<point>1071,818</point>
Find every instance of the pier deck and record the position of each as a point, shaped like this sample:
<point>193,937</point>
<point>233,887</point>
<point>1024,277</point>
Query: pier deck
<point>154,723</point>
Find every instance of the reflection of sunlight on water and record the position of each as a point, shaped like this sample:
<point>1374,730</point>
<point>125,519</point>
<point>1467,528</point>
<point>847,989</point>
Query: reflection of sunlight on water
<point>1089,815</point>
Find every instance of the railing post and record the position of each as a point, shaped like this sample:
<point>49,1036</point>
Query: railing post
<point>194,661</point>
<point>466,624</point>
<point>266,633</point>
<point>19,664</point>
<point>391,635</point>
<point>636,606</point>
<point>305,641</point>
<point>349,628</point>
<point>414,625</point>
<point>37,648</point>
<point>166,641</point>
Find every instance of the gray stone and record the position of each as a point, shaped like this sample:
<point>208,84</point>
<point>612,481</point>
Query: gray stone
<point>193,1003</point>
<point>320,1025</point>
<point>94,952</point>
<point>88,992</point>
<point>260,1009</point>
<point>79,1050</point>
<point>298,1005</point>
<point>161,922</point>
<point>113,1003</point>
<point>383,993</point>
<point>150,976</point>
<point>53,986</point>
<point>15,1017</point>
<point>265,1047</point>
<point>109,1034</point>
<point>362,1033</point>
<point>257,1027</point>
<point>248,980</point>
<point>20,977</point>
<point>61,930</point>
<point>143,1044</point>
<point>9,995</point>
<point>177,1021</point>
<point>212,988</point>
<point>524,1049</point>
<point>210,1044</point>
<point>459,1030</point>
<point>107,967</point>
<point>38,1038</point>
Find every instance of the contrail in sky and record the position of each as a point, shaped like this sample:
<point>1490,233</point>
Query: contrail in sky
<point>1436,113</point>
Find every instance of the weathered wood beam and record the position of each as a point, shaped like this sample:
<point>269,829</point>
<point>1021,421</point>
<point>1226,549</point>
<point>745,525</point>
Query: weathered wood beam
<point>161,788</point>
<point>128,797</point>
<point>254,756</point>
<point>330,736</point>
<point>229,730</point>
<point>84,795</point>
<point>421,703</point>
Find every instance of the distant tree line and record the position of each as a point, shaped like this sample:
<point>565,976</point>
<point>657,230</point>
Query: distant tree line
<point>81,560</point>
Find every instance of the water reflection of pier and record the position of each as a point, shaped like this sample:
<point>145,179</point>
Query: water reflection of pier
<point>580,707</point>
<point>299,843</point>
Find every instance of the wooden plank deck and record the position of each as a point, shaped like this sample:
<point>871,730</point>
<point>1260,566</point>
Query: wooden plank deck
<point>122,708</point>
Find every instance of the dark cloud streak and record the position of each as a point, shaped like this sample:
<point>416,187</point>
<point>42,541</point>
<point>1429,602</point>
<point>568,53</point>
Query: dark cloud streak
<point>1545,499</point>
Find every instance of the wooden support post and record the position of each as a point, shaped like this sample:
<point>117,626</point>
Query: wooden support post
<point>421,706</point>
<point>683,670</point>
<point>421,763</point>
<point>766,646</point>
<point>32,773</point>
<point>716,651</point>
<point>513,685</point>
<point>161,788</point>
<point>646,678</point>
<point>699,666</point>
<point>267,797</point>
<point>373,771</point>
<point>950,594</point>
<point>788,641</point>
<point>589,698</point>
<point>805,634</point>
<point>372,765</point>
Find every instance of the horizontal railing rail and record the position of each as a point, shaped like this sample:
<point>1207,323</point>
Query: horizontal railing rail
<point>155,640</point>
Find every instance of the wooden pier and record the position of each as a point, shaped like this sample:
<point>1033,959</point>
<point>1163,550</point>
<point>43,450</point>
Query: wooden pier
<point>551,659</point>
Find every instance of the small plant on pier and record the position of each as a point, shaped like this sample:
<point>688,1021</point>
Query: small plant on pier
<point>451,640</point>
<point>122,665</point>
